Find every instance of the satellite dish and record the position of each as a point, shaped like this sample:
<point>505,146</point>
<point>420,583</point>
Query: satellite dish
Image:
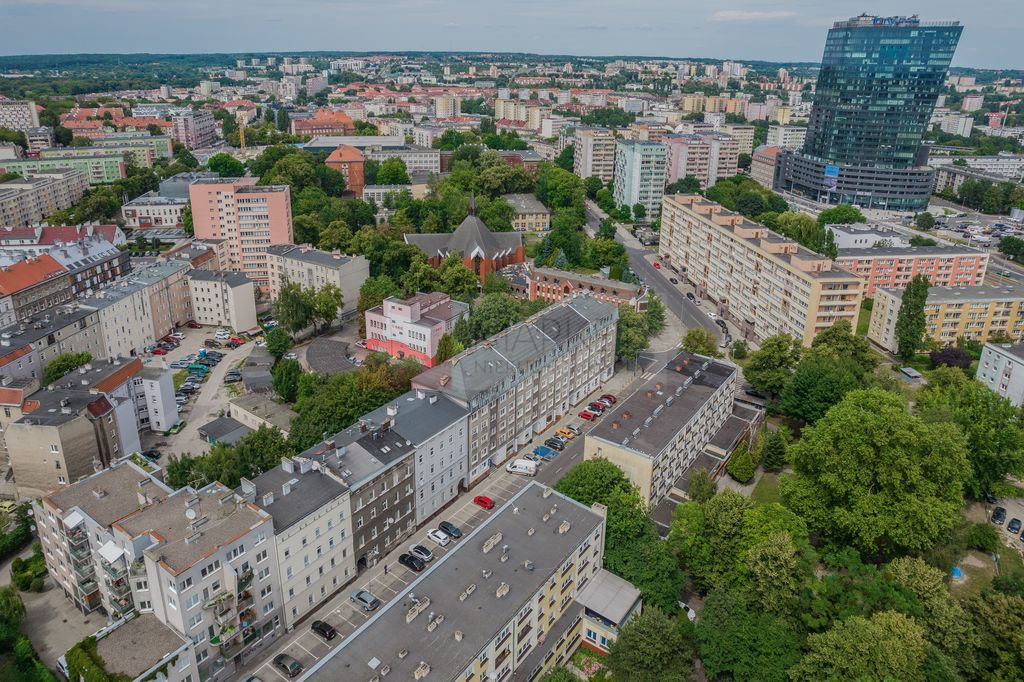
<point>190,514</point>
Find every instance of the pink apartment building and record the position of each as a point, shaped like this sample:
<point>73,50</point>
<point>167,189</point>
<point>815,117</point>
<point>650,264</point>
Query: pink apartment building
<point>412,327</point>
<point>893,267</point>
<point>248,217</point>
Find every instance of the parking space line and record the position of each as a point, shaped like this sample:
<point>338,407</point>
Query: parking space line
<point>306,650</point>
<point>267,665</point>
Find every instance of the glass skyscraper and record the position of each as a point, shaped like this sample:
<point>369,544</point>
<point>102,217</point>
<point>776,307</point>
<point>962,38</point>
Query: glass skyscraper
<point>879,80</point>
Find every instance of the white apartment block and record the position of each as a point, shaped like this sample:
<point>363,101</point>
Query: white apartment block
<point>709,157</point>
<point>594,153</point>
<point>744,135</point>
<point>30,200</point>
<point>223,298</point>
<point>417,159</point>
<point>765,283</point>
<point>787,137</point>
<point>640,175</point>
<point>18,115</point>
<point>312,268</point>
<point>152,210</point>
<point>447,106</point>
<point>957,124</point>
<point>523,379</point>
<point>312,543</point>
<point>1001,368</point>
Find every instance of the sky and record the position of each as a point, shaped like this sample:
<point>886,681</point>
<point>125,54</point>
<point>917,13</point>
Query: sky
<point>771,30</point>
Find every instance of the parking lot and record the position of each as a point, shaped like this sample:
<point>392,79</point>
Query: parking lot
<point>203,405</point>
<point>1014,510</point>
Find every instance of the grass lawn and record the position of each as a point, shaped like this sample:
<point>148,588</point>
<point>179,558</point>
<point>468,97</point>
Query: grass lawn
<point>980,570</point>
<point>863,320</point>
<point>580,660</point>
<point>767,489</point>
<point>179,378</point>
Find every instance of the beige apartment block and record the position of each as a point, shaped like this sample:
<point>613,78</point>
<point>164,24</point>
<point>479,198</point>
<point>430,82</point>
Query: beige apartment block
<point>312,268</point>
<point>223,298</point>
<point>594,153</point>
<point>29,200</point>
<point>765,283</point>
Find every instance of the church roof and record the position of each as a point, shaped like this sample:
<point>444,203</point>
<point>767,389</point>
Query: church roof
<point>470,239</point>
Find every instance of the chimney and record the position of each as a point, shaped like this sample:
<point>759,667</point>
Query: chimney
<point>393,409</point>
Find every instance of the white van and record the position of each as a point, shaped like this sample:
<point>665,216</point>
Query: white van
<point>522,466</point>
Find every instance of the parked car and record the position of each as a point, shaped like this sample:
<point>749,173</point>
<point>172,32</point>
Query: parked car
<point>575,429</point>
<point>290,356</point>
<point>414,564</point>
<point>998,515</point>
<point>1013,526</point>
<point>607,403</point>
<point>178,336</point>
<point>586,414</point>
<point>288,665</point>
<point>211,343</point>
<point>565,433</point>
<point>439,537</point>
<point>365,600</point>
<point>179,364</point>
<point>232,378</point>
<point>151,455</point>
<point>554,444</point>
<point>673,280</point>
<point>451,529</point>
<point>325,630</point>
<point>421,552</point>
<point>609,397</point>
<point>158,351</point>
<point>691,297</point>
<point>187,388</point>
<point>691,615</point>
<point>483,501</point>
<point>657,265</point>
<point>192,324</point>
<point>596,407</point>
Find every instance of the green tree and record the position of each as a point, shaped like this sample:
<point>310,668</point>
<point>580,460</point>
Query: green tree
<point>843,214</point>
<point>839,341</point>
<point>447,347</point>
<point>1012,247</point>
<point>494,313</point>
<point>741,464</point>
<point>278,342</point>
<point>325,304</point>
<point>336,236</point>
<point>371,294</point>
<point>226,166</point>
<point>992,425</point>
<point>293,308</point>
<point>701,487</point>
<point>769,369</point>
<point>740,350</point>
<point>392,172</point>
<point>631,336</point>
<point>874,476</point>
<point>773,456</point>
<point>910,320</point>
<point>639,211</point>
<point>818,383</point>
<point>998,620</point>
<point>495,284</point>
<point>687,185</point>
<point>286,375</point>
<point>456,279</point>
<point>652,647</point>
<point>565,158</point>
<point>186,221</point>
<point>12,608</point>
<point>283,122</point>
<point>592,185</point>
<point>887,646</point>
<point>655,314</point>
<point>924,221</point>
<point>702,342</point>
<point>943,619</point>
<point>64,363</point>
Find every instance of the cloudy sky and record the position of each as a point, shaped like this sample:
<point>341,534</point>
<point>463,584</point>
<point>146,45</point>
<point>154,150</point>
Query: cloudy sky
<point>777,30</point>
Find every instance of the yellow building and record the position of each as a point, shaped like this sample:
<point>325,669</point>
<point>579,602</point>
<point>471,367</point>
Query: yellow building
<point>951,312</point>
<point>766,283</point>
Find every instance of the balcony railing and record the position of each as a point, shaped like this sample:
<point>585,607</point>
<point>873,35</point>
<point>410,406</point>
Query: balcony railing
<point>77,537</point>
<point>123,604</point>
<point>84,570</point>
<point>245,600</point>
<point>244,580</point>
<point>80,552</point>
<point>87,587</point>
<point>119,587</point>
<point>115,571</point>
<point>231,649</point>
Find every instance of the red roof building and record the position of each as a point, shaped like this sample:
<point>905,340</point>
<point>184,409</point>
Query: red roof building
<point>349,161</point>
<point>324,122</point>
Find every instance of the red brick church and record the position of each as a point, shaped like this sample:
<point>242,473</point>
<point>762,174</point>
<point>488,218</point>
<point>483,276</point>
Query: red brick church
<point>481,250</point>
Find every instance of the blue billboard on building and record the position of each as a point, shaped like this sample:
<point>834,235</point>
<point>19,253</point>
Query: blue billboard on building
<point>831,178</point>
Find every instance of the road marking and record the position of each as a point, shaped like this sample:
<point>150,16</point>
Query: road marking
<point>274,668</point>
<point>306,650</point>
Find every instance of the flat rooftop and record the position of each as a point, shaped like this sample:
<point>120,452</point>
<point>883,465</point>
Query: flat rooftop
<point>137,645</point>
<point>648,420</point>
<point>979,294</point>
<point>307,254</point>
<point>267,409</point>
<point>479,616</point>
<point>908,252</point>
<point>234,279</point>
<point>107,496</point>
<point>295,494</point>
<point>1014,349</point>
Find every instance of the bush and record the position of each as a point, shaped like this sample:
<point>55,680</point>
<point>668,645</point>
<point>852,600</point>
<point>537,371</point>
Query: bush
<point>741,464</point>
<point>983,536</point>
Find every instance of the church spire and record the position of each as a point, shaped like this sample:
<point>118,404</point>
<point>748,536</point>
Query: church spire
<point>472,203</point>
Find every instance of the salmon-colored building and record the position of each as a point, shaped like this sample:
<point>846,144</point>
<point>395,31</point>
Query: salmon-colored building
<point>893,267</point>
<point>247,216</point>
<point>484,252</point>
<point>325,121</point>
<point>349,161</point>
<point>412,327</point>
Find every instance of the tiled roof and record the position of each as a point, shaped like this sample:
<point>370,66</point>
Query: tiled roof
<point>29,272</point>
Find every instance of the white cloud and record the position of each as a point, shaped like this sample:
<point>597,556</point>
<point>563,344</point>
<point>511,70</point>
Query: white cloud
<point>751,15</point>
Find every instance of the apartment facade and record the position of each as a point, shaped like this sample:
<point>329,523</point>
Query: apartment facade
<point>27,347</point>
<point>194,129</point>
<point>767,284</point>
<point>312,542</point>
<point>31,286</point>
<point>742,133</point>
<point>416,159</point>
<point>787,137</point>
<point>708,157</point>
<point>91,262</point>
<point>594,153</point>
<point>762,165</point>
<point>557,285</point>
<point>1001,368</point>
<point>501,622</point>
<point>975,313</point>
<point>100,167</point>
<point>412,327</point>
<point>312,268</point>
<point>223,298</point>
<point>894,267</point>
<point>524,378</point>
<point>531,215</point>
<point>640,175</point>
<point>152,210</point>
<point>29,200</point>
<point>18,114</point>
<point>250,218</point>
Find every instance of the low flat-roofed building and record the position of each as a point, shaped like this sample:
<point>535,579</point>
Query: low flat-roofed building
<point>255,410</point>
<point>141,647</point>
<point>531,215</point>
<point>482,610</point>
<point>412,327</point>
<point>608,602</point>
<point>655,434</point>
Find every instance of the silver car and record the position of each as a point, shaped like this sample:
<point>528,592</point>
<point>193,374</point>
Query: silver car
<point>365,600</point>
<point>421,552</point>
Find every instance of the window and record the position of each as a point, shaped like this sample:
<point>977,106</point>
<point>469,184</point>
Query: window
<point>185,584</point>
<point>195,620</point>
<point>268,607</point>
<point>263,574</point>
<point>172,603</point>
<point>192,602</point>
<point>202,655</point>
<point>262,556</point>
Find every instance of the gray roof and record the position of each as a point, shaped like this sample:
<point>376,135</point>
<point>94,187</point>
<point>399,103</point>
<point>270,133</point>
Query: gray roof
<point>609,595</point>
<point>306,254</point>
<point>137,645</point>
<point>62,405</point>
<point>266,408</point>
<point>468,238</point>
<point>307,493</point>
<point>648,420</point>
<point>420,415</point>
<point>60,317</point>
<point>224,430</point>
<point>516,350</point>
<point>108,495</point>
<point>526,203</point>
<point>968,294</point>
<point>908,252</point>
<point>362,452</point>
<point>481,615</point>
<point>1014,349</point>
<point>233,279</point>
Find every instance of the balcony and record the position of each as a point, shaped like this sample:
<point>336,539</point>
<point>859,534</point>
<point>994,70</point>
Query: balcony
<point>137,569</point>
<point>77,537</point>
<point>232,649</point>
<point>245,600</point>
<point>116,571</point>
<point>119,587</point>
<point>80,552</point>
<point>87,587</point>
<point>83,570</point>
<point>123,605</point>
<point>244,580</point>
<point>225,614</point>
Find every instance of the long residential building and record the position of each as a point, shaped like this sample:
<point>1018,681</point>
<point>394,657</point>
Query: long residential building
<point>27,347</point>
<point>18,114</point>
<point>523,379</point>
<point>250,218</point>
<point>765,283</point>
<point>91,261</point>
<point>29,200</point>
<point>975,313</point>
<point>894,267</point>
<point>100,166</point>
<point>510,601</point>
<point>31,286</point>
<point>312,268</point>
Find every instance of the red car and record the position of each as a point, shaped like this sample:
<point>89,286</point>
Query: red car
<point>237,339</point>
<point>192,324</point>
<point>588,415</point>
<point>657,265</point>
<point>610,398</point>
<point>158,351</point>
<point>483,501</point>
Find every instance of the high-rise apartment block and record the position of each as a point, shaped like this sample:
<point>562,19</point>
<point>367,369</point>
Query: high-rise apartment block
<point>194,129</point>
<point>594,153</point>
<point>709,157</point>
<point>894,267</point>
<point>787,137</point>
<point>765,283</point>
<point>18,115</point>
<point>447,106</point>
<point>878,84</point>
<point>249,217</point>
<point>30,200</point>
<point>640,175</point>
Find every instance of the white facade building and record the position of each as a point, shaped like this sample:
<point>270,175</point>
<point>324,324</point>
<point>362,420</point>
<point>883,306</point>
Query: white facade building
<point>1001,368</point>
<point>223,298</point>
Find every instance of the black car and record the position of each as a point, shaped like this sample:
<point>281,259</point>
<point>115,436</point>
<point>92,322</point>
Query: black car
<point>232,378</point>
<point>555,444</point>
<point>990,498</point>
<point>998,516</point>
<point>721,323</point>
<point>211,343</point>
<point>691,297</point>
<point>187,388</point>
<point>323,629</point>
<point>151,455</point>
<point>450,529</point>
<point>1013,526</point>
<point>673,280</point>
<point>413,563</point>
<point>596,407</point>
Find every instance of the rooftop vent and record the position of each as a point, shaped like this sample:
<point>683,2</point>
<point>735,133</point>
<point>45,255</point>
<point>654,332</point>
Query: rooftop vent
<point>486,573</point>
<point>422,670</point>
<point>563,527</point>
<point>547,493</point>
<point>458,635</point>
<point>434,622</point>
<point>528,565</point>
<point>502,590</point>
<point>402,654</point>
<point>491,542</point>
<point>531,531</point>
<point>268,499</point>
